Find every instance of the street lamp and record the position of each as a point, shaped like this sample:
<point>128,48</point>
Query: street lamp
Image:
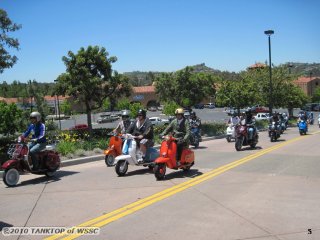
<point>269,33</point>
<point>58,107</point>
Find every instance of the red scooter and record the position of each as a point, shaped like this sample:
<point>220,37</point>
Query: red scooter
<point>167,158</point>
<point>242,138</point>
<point>20,161</point>
<point>113,150</point>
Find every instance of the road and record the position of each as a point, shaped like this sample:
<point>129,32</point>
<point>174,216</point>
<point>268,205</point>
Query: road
<point>271,192</point>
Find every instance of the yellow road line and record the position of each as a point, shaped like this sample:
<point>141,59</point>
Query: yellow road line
<point>140,204</point>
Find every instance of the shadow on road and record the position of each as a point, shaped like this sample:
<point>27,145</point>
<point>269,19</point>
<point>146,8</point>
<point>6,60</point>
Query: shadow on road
<point>144,170</point>
<point>3,225</point>
<point>200,147</point>
<point>251,149</point>
<point>44,179</point>
<point>192,173</point>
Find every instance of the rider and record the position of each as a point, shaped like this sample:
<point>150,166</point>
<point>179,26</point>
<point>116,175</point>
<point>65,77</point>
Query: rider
<point>142,128</point>
<point>38,139</point>
<point>124,124</point>
<point>179,127</point>
<point>250,121</point>
<point>275,118</point>
<point>195,124</point>
<point>234,119</point>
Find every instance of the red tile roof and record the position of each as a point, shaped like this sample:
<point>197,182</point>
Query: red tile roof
<point>258,65</point>
<point>305,79</point>
<point>144,89</point>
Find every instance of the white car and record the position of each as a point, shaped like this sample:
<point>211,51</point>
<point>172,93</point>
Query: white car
<point>262,116</point>
<point>157,121</point>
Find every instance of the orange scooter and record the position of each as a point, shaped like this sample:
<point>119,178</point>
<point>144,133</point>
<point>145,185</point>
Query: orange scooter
<point>113,150</point>
<point>168,151</point>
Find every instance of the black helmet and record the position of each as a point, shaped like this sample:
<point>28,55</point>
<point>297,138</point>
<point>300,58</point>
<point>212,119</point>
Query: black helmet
<point>248,111</point>
<point>142,112</point>
<point>193,114</point>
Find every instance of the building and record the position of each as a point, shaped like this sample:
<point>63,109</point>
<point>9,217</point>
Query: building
<point>308,84</point>
<point>146,95</point>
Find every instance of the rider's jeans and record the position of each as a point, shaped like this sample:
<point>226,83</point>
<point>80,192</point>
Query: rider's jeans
<point>35,148</point>
<point>250,133</point>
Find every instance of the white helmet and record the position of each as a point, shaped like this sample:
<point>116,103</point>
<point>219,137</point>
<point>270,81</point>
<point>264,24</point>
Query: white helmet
<point>36,115</point>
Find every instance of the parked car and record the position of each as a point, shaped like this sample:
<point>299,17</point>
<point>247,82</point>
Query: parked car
<point>199,106</point>
<point>156,121</point>
<point>105,118</point>
<point>259,109</point>
<point>262,116</point>
<point>152,108</point>
<point>210,105</point>
<point>80,127</point>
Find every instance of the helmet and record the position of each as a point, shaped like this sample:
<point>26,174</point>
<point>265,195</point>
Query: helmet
<point>179,111</point>
<point>36,115</point>
<point>193,114</point>
<point>248,111</point>
<point>142,112</point>
<point>125,113</point>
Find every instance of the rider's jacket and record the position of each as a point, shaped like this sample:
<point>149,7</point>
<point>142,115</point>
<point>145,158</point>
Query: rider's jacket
<point>250,120</point>
<point>195,123</point>
<point>179,129</point>
<point>37,131</point>
<point>123,126</point>
<point>145,129</point>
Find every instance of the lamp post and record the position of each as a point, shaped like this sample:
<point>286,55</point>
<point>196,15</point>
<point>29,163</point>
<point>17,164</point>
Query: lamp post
<point>269,33</point>
<point>58,108</point>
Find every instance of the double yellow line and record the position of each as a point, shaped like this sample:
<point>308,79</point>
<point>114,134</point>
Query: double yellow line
<point>140,204</point>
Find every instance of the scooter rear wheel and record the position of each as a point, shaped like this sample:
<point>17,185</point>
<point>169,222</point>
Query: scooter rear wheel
<point>159,171</point>
<point>109,159</point>
<point>11,177</point>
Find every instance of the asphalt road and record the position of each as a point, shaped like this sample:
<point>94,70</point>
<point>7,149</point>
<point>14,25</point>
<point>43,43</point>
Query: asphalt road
<point>271,192</point>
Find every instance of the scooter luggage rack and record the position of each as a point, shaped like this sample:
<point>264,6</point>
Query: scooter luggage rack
<point>14,150</point>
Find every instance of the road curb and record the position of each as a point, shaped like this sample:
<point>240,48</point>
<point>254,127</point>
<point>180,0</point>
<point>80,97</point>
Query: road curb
<point>81,160</point>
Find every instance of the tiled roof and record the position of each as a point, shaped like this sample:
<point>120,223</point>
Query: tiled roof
<point>258,65</point>
<point>144,89</point>
<point>306,79</point>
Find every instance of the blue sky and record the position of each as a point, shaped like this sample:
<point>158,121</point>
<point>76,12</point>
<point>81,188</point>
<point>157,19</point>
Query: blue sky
<point>163,35</point>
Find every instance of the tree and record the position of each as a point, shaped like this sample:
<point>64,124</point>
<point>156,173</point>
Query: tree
<point>316,95</point>
<point>123,104</point>
<point>10,118</point>
<point>170,108</point>
<point>185,87</point>
<point>238,94</point>
<point>6,26</point>
<point>89,78</point>
<point>65,107</point>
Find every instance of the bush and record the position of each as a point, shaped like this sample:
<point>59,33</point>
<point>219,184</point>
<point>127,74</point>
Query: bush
<point>213,129</point>
<point>65,147</point>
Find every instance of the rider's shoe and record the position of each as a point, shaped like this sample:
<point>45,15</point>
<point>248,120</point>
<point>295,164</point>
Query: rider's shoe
<point>140,160</point>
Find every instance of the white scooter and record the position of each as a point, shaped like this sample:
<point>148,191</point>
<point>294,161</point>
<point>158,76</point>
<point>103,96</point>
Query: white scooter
<point>231,132</point>
<point>319,121</point>
<point>130,155</point>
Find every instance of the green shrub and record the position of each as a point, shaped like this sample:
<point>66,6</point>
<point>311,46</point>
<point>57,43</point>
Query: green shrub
<point>65,147</point>
<point>213,129</point>
<point>262,124</point>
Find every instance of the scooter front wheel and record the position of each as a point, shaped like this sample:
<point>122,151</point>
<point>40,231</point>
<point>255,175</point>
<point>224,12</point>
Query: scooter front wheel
<point>159,171</point>
<point>11,177</point>
<point>121,168</point>
<point>109,159</point>
<point>238,144</point>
